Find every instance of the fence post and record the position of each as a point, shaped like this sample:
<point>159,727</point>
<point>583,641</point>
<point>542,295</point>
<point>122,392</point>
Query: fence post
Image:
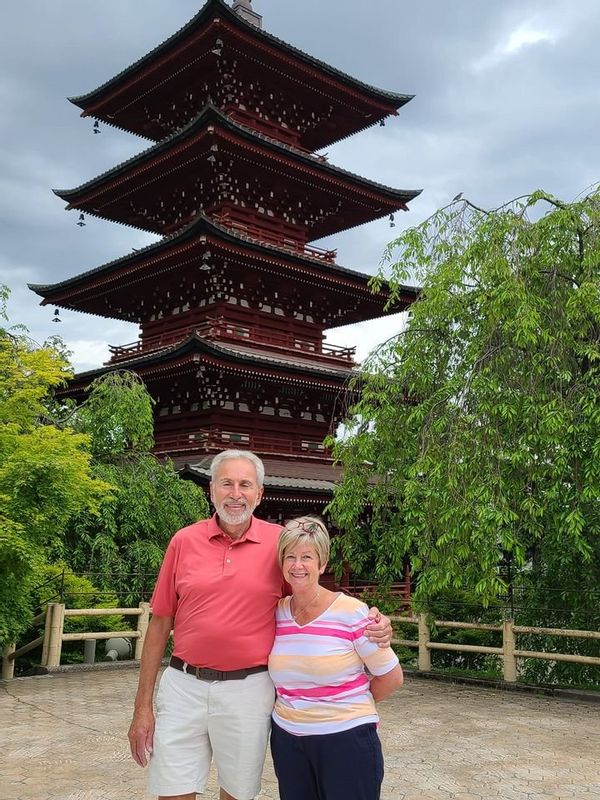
<point>57,622</point>
<point>8,663</point>
<point>47,623</point>
<point>142,627</point>
<point>508,651</point>
<point>424,652</point>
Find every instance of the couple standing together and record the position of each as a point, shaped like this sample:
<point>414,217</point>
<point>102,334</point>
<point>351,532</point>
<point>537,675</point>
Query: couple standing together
<point>224,589</point>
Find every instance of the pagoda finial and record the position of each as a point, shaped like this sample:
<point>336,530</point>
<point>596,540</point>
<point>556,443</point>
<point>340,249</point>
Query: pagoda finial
<point>245,11</point>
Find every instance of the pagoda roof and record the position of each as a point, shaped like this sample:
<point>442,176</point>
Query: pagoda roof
<point>86,292</point>
<point>294,475</point>
<point>297,369</point>
<point>129,181</point>
<point>115,101</point>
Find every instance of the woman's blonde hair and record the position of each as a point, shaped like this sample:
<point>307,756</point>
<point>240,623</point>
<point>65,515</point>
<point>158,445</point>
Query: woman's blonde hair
<point>301,530</point>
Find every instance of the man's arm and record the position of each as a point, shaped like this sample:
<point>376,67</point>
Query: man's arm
<point>141,730</point>
<point>380,630</point>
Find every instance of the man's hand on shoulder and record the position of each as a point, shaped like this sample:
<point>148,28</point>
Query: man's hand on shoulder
<point>380,630</point>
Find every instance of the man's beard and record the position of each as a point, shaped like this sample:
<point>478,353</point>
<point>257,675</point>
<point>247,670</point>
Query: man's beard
<point>234,519</point>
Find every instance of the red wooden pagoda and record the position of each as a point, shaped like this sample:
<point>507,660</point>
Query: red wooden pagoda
<point>233,301</point>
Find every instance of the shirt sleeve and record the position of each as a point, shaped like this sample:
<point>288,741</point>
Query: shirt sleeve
<point>378,660</point>
<point>164,598</point>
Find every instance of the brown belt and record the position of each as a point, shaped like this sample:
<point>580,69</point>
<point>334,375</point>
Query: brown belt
<point>208,674</point>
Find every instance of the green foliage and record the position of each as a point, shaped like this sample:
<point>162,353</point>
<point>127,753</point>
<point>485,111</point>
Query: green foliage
<point>117,415</point>
<point>481,420</point>
<point>44,471</point>
<point>124,544</point>
<point>17,564</point>
<point>78,486</point>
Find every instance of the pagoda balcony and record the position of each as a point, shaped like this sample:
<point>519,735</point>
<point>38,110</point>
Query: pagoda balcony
<point>218,329</point>
<point>280,240</point>
<point>211,440</point>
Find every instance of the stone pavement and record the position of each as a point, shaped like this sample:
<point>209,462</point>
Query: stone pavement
<point>63,738</point>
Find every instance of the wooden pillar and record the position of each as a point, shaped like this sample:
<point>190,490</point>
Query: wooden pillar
<point>424,637</point>
<point>8,663</point>
<point>47,624</point>
<point>508,652</point>
<point>142,627</point>
<point>57,622</point>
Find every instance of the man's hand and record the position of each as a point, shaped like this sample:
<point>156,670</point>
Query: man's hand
<point>380,630</point>
<point>141,735</point>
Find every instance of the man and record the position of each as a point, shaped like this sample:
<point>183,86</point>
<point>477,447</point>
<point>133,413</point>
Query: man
<point>218,587</point>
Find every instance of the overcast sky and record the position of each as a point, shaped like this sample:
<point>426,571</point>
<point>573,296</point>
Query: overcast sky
<point>507,101</point>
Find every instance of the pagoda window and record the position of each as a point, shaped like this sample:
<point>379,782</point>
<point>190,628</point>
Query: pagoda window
<point>284,412</point>
<point>243,407</point>
<point>268,410</point>
<point>176,410</point>
<point>319,417</point>
<point>194,407</point>
<point>206,404</point>
<point>279,311</point>
<point>163,412</point>
<point>229,405</point>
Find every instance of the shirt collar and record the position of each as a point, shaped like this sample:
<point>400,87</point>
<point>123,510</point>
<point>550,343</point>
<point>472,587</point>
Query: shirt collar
<point>251,535</point>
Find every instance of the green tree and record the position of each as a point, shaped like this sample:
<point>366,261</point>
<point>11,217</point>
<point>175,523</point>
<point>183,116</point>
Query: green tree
<point>476,438</point>
<point>45,476</point>
<point>123,544</point>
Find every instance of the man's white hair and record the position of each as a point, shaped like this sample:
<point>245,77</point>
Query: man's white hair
<point>225,455</point>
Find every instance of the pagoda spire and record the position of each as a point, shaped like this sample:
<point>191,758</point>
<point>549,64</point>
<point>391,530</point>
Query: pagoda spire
<point>244,9</point>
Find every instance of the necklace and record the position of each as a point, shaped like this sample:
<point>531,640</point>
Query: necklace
<point>303,609</point>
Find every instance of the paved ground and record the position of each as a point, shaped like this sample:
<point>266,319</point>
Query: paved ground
<point>63,738</point>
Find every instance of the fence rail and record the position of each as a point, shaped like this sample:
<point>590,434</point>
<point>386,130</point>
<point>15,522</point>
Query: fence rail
<point>56,613</point>
<point>508,652</point>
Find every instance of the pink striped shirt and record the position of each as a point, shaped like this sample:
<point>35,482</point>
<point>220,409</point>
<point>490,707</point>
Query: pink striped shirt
<point>319,669</point>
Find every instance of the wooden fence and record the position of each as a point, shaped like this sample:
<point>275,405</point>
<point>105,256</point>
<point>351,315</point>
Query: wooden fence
<point>54,636</point>
<point>508,652</point>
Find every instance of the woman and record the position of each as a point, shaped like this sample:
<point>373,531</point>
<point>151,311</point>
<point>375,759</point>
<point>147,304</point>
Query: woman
<point>324,738</point>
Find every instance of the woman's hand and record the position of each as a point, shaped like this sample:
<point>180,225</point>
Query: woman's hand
<point>380,630</point>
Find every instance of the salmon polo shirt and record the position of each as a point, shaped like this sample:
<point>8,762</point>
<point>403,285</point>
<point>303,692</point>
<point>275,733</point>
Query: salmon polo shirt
<point>222,594</point>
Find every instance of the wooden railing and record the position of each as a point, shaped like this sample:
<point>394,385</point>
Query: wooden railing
<point>54,635</point>
<point>56,613</point>
<point>508,652</point>
<point>280,240</point>
<point>217,328</point>
<point>216,439</point>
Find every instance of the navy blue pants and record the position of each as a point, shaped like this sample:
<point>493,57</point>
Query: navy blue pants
<point>333,766</point>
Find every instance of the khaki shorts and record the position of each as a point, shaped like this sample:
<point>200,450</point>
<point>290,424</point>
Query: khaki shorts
<point>198,720</point>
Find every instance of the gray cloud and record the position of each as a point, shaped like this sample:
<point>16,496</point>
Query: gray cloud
<point>506,102</point>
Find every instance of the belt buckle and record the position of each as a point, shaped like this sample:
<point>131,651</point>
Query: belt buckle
<point>208,674</point>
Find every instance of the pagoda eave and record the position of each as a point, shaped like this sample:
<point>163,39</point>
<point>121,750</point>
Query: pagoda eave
<point>109,290</point>
<point>298,480</point>
<point>188,355</point>
<point>174,64</point>
<point>167,185</point>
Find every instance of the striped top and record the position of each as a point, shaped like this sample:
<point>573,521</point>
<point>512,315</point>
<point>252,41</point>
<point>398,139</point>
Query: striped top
<point>319,669</point>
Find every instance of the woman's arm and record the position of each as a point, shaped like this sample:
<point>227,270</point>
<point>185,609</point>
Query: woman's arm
<point>382,686</point>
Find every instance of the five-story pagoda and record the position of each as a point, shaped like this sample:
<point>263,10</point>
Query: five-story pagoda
<point>233,301</point>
